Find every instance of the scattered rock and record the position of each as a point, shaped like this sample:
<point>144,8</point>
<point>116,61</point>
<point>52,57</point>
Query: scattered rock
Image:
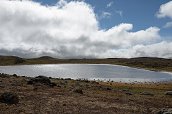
<point>128,93</point>
<point>15,75</point>
<point>50,77</point>
<point>168,93</point>
<point>108,88</point>
<point>42,80</point>
<point>68,79</point>
<point>64,104</point>
<point>2,75</point>
<point>52,84</point>
<point>78,91</point>
<point>147,93</point>
<point>94,82</point>
<point>9,98</point>
<point>165,111</point>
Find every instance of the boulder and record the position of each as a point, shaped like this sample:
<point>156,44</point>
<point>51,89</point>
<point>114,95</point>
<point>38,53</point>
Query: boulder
<point>168,93</point>
<point>9,98</point>
<point>128,93</point>
<point>42,80</point>
<point>165,111</point>
<point>108,88</point>
<point>15,75</point>
<point>147,93</point>
<point>52,84</point>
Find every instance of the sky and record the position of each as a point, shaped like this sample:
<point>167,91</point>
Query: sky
<point>86,28</point>
<point>138,12</point>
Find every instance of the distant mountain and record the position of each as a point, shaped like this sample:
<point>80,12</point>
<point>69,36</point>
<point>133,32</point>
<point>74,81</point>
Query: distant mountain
<point>46,57</point>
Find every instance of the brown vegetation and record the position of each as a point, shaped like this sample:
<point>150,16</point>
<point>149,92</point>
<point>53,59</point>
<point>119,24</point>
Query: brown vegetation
<point>84,97</point>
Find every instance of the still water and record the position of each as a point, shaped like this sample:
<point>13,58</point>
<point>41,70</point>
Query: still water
<point>88,71</point>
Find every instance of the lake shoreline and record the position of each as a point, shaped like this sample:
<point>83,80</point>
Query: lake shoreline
<point>101,72</point>
<point>150,69</point>
<point>83,96</point>
<point>148,63</point>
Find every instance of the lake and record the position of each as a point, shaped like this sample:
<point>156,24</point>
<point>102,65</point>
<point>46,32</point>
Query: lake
<point>103,72</point>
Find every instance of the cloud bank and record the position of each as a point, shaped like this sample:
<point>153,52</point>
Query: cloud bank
<point>71,30</point>
<point>165,11</point>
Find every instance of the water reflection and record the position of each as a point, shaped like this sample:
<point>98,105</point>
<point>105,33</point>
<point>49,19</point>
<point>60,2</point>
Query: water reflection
<point>102,72</point>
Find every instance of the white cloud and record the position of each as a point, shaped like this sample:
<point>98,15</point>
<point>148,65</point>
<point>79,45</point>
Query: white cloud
<point>109,4</point>
<point>161,49</point>
<point>165,10</point>
<point>29,29</point>
<point>104,15</point>
<point>168,25</point>
<point>61,3</point>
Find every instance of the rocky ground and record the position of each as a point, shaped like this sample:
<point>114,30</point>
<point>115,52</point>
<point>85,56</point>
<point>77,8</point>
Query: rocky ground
<point>41,95</point>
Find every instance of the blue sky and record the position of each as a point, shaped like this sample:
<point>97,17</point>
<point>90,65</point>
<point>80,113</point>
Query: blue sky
<point>141,13</point>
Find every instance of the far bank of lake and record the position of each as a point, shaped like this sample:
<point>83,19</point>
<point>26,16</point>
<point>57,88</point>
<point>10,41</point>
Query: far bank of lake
<point>149,63</point>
